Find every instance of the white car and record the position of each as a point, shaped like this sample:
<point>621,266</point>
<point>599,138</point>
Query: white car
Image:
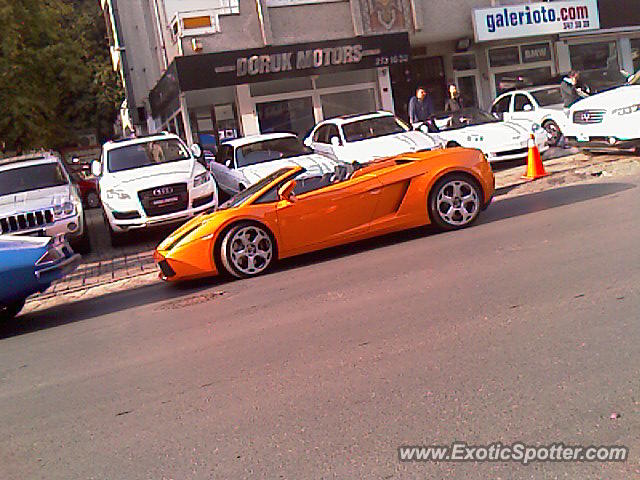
<point>244,161</point>
<point>37,198</point>
<point>541,105</point>
<point>150,181</point>
<point>607,119</point>
<point>363,138</point>
<point>499,141</point>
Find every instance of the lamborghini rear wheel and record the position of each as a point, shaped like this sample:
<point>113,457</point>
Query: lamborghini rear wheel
<point>455,202</point>
<point>247,250</point>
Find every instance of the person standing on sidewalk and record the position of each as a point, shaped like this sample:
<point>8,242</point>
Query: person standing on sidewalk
<point>571,90</point>
<point>420,107</point>
<point>454,103</point>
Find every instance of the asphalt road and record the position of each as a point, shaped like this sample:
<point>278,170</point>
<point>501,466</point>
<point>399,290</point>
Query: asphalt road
<point>522,328</point>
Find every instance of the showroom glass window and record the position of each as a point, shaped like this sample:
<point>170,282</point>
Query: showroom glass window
<point>635,53</point>
<point>594,56</point>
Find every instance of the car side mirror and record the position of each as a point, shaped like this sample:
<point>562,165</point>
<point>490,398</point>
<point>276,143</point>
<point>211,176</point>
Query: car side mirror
<point>335,141</point>
<point>196,150</point>
<point>227,163</point>
<point>285,192</point>
<point>528,107</point>
<point>307,142</point>
<point>96,168</point>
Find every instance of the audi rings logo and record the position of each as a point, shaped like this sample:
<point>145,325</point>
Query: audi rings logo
<point>158,192</point>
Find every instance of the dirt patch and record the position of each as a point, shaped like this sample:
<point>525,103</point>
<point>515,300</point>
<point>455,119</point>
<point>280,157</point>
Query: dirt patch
<point>190,301</point>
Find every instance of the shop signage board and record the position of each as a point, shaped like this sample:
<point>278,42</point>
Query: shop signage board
<point>197,72</point>
<point>532,19</point>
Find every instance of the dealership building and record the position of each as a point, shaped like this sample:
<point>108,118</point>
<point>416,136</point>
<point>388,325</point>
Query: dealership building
<point>215,69</point>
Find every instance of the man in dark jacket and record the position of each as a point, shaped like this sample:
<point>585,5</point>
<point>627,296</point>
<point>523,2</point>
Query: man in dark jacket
<point>570,89</point>
<point>454,103</point>
<point>420,107</point>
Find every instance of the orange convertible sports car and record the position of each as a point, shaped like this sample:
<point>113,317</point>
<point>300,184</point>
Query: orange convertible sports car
<point>290,212</point>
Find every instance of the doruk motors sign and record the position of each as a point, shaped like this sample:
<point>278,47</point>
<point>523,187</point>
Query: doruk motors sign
<point>531,19</point>
<point>299,60</point>
<point>196,72</point>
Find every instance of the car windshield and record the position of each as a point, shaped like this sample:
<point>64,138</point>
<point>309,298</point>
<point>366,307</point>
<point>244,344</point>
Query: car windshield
<point>373,128</point>
<point>241,197</point>
<point>461,119</point>
<point>146,154</point>
<point>33,177</point>
<point>548,96</point>
<point>600,80</point>
<point>269,150</point>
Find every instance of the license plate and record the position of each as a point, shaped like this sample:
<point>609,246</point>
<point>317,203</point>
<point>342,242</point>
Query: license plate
<point>164,201</point>
<point>583,138</point>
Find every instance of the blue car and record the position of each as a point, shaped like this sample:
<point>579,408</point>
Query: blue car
<point>29,265</point>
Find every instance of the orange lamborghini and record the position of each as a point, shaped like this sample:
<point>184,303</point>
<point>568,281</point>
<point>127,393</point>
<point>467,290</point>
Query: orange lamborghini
<point>289,212</point>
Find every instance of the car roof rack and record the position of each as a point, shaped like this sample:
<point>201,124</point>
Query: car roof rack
<point>140,137</point>
<point>29,156</point>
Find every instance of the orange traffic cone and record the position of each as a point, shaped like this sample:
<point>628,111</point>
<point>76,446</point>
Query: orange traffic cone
<point>535,168</point>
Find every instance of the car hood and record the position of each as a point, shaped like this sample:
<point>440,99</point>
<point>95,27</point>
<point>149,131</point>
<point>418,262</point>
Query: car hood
<point>17,252</point>
<point>620,97</point>
<point>502,132</point>
<point>15,243</point>
<point>153,176</point>
<point>34,200</point>
<point>314,164</point>
<point>391,145</point>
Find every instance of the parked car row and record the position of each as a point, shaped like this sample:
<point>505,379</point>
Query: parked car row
<point>351,178</point>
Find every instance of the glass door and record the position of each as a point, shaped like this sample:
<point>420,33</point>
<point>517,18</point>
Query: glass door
<point>468,87</point>
<point>293,115</point>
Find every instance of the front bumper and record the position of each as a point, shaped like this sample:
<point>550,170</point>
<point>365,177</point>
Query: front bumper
<point>603,142</point>
<point>50,273</point>
<point>515,153</point>
<point>174,270</point>
<point>70,227</point>
<point>195,207</point>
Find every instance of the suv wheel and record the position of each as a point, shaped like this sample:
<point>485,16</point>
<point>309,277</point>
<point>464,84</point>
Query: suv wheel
<point>9,311</point>
<point>82,244</point>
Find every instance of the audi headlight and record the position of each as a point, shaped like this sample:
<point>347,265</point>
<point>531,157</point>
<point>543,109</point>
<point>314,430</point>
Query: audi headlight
<point>626,110</point>
<point>536,127</point>
<point>201,179</point>
<point>118,193</point>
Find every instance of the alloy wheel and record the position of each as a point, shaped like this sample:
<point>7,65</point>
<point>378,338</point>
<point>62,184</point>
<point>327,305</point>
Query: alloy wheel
<point>249,250</point>
<point>457,202</point>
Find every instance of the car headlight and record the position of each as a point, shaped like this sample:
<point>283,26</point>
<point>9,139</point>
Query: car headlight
<point>201,179</point>
<point>118,193</point>
<point>626,110</point>
<point>68,208</point>
<point>536,127</point>
<point>475,138</point>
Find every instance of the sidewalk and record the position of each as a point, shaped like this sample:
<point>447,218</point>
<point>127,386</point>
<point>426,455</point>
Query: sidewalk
<point>133,265</point>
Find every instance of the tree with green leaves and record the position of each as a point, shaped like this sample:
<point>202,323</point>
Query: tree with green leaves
<point>55,73</point>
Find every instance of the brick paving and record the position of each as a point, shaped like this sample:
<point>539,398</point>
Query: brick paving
<point>107,265</point>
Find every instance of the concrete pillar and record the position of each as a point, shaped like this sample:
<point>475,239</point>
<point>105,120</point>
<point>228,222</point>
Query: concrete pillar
<point>624,50</point>
<point>384,86</point>
<point>246,110</point>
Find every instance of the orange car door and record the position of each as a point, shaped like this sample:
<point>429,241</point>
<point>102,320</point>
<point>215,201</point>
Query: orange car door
<point>328,216</point>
